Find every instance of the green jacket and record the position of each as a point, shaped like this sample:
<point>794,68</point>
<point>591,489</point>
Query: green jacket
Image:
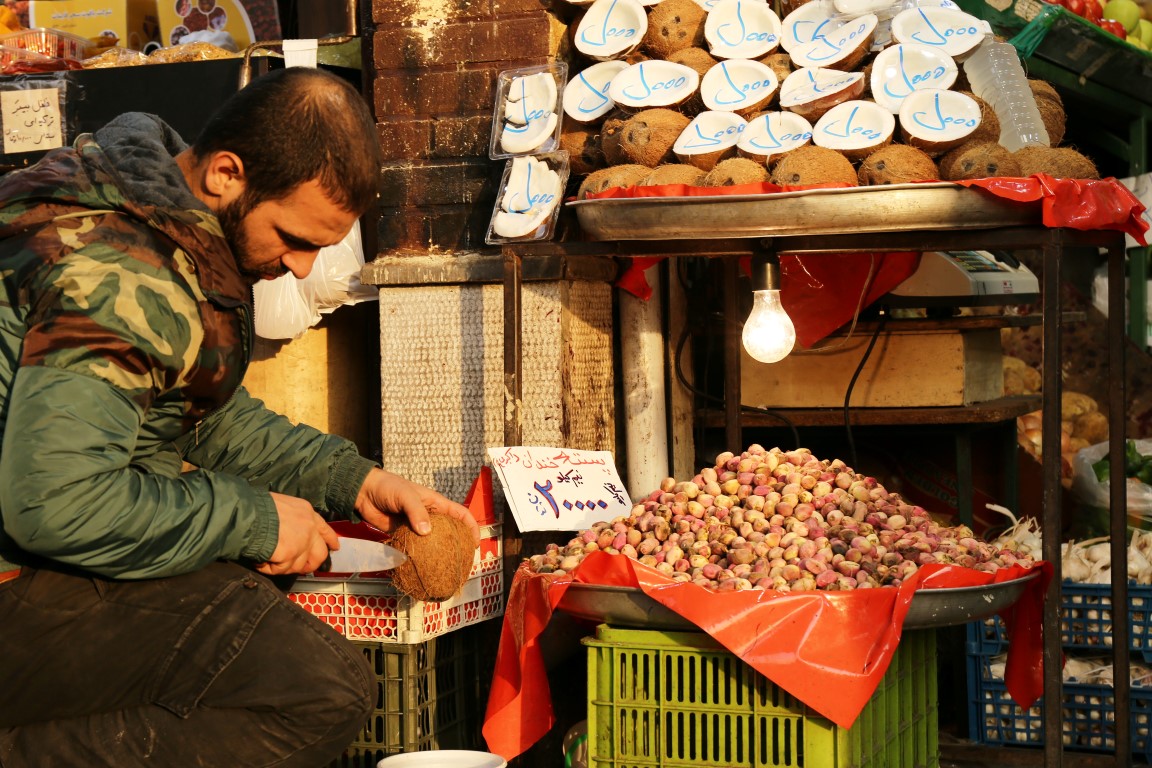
<point>125,331</point>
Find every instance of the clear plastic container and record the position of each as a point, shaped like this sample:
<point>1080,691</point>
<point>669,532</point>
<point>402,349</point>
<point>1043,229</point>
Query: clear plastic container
<point>997,77</point>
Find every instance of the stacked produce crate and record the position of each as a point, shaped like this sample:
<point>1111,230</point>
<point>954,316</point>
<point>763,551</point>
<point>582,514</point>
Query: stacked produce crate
<point>680,700</point>
<point>1088,701</point>
<point>426,696</point>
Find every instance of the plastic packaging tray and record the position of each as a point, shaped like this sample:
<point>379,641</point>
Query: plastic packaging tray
<point>48,42</point>
<point>10,54</point>
<point>557,163</point>
<point>505,82</point>
<point>678,699</point>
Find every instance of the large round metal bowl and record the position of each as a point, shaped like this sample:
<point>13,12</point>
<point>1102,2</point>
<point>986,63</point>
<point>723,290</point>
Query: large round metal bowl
<point>930,608</point>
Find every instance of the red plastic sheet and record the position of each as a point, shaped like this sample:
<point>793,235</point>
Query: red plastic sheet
<point>821,293</point>
<point>828,649</point>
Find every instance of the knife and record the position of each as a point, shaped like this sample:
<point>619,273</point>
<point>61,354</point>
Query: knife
<point>362,556</point>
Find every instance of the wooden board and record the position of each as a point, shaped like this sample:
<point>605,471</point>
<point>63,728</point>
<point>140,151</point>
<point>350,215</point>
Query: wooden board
<point>904,370</point>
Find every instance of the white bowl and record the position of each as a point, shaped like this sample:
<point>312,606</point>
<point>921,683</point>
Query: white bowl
<point>742,29</point>
<point>900,69</point>
<point>444,758</point>
<point>952,31</point>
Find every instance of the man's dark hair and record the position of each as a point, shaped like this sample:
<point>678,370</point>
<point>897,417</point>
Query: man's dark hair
<point>294,125</point>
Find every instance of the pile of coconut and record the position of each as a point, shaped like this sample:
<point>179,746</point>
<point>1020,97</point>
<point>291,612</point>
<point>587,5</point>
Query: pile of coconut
<point>837,92</point>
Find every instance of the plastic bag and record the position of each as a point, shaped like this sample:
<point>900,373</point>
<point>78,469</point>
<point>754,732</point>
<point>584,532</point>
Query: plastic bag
<point>1095,494</point>
<point>287,307</point>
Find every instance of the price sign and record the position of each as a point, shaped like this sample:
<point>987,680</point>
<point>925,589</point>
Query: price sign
<point>559,489</point>
<point>31,120</point>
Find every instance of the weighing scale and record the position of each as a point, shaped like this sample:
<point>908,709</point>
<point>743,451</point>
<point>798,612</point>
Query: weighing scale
<point>966,278</point>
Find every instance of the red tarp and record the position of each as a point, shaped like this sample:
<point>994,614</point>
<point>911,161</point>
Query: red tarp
<point>807,282</point>
<point>828,649</point>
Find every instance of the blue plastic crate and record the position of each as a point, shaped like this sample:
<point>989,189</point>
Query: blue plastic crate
<point>1085,622</point>
<point>1089,714</point>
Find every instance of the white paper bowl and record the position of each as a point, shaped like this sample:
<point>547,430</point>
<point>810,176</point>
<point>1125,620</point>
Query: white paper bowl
<point>901,69</point>
<point>444,758</point>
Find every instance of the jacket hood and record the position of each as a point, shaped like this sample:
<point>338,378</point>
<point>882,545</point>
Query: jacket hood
<point>128,167</point>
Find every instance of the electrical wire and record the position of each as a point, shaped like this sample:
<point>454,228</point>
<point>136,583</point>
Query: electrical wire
<point>868,279</point>
<point>852,385</point>
<point>708,397</point>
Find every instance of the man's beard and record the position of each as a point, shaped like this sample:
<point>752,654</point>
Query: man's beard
<point>231,218</point>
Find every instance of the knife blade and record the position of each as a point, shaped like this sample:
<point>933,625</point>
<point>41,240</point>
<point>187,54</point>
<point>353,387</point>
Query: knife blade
<point>362,556</point>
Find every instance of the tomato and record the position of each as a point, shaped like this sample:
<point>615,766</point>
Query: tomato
<point>1076,6</point>
<point>1093,11</point>
<point>1113,26</point>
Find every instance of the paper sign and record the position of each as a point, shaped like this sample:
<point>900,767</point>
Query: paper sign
<point>559,489</point>
<point>31,120</point>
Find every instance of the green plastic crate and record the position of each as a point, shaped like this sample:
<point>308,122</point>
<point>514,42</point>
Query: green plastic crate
<point>427,697</point>
<point>680,700</point>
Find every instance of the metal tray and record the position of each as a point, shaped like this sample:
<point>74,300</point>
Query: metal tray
<point>930,608</point>
<point>894,207</point>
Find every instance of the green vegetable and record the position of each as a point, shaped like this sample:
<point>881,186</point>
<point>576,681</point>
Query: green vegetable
<point>1136,465</point>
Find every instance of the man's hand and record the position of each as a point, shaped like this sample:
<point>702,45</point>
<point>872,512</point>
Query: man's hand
<point>385,495</point>
<point>304,538</point>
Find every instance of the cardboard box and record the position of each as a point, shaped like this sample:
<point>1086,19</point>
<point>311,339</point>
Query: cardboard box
<point>907,369</point>
<point>133,22</point>
<point>248,22</point>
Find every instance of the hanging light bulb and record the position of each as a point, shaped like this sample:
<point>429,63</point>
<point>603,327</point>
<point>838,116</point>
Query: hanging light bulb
<point>769,334</point>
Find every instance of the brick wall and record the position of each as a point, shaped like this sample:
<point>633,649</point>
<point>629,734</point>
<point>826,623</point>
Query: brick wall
<point>436,64</point>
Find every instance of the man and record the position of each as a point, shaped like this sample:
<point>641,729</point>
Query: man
<point>134,627</point>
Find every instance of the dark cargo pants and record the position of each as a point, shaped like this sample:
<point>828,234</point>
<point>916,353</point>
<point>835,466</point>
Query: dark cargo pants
<point>215,668</point>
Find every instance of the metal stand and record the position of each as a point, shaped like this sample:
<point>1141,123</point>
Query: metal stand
<point>1052,243</point>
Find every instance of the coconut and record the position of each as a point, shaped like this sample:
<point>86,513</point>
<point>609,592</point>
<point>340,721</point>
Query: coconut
<point>1042,89</point>
<point>694,58</point>
<point>1060,162</point>
<point>734,171</point>
<point>674,25</point>
<point>936,121</point>
<point>610,136</point>
<point>674,173</point>
<point>438,563</point>
<point>1052,114</point>
<point>811,164</point>
<point>648,136</point>
<point>779,62</point>
<point>897,164</point>
<point>582,143</point>
<point>989,128</point>
<point>627,175</point>
<point>978,160</point>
